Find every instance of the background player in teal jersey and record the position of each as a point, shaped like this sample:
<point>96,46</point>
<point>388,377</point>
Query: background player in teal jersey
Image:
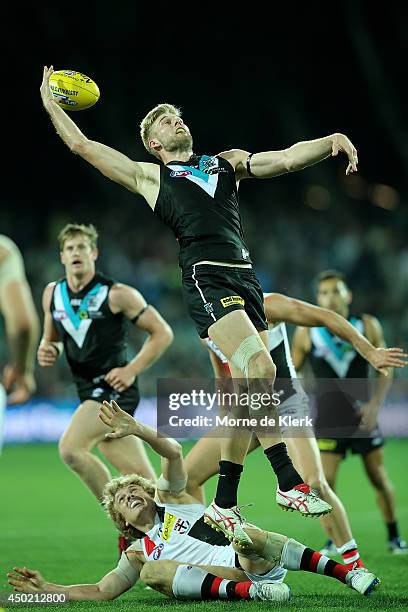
<point>332,358</point>
<point>86,314</point>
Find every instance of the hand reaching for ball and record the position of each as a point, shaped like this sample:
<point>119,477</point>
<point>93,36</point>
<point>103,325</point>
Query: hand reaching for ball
<point>46,95</point>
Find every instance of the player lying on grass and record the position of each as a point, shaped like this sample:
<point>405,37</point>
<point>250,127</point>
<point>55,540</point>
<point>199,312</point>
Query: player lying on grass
<point>202,460</point>
<point>175,552</point>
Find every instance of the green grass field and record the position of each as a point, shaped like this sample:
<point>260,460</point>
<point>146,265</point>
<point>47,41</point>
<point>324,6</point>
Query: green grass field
<point>50,522</point>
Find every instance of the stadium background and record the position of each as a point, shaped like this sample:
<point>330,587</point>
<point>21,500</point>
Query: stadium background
<point>256,84</point>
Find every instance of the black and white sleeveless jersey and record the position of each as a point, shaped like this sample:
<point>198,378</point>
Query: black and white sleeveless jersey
<point>198,200</point>
<point>341,382</point>
<point>332,357</point>
<point>94,338</point>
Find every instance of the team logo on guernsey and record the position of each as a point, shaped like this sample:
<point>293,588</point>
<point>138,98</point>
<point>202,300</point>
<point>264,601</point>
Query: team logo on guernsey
<point>168,524</point>
<point>181,526</point>
<point>232,299</point>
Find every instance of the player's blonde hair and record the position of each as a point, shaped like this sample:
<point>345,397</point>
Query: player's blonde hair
<point>147,122</point>
<point>108,501</point>
<point>72,229</point>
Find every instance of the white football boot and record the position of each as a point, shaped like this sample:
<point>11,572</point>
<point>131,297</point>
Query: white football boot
<point>270,591</point>
<point>362,581</point>
<point>303,500</point>
<point>229,521</point>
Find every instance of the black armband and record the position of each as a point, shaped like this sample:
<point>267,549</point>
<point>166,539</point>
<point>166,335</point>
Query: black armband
<point>134,320</point>
<point>57,348</point>
<point>248,165</point>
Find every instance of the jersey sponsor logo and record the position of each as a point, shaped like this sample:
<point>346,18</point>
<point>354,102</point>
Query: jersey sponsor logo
<point>59,315</point>
<point>232,299</point>
<point>180,173</point>
<point>326,445</point>
<point>168,524</point>
<point>157,551</point>
<point>181,526</point>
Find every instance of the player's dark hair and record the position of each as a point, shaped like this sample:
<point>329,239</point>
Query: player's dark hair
<point>329,274</point>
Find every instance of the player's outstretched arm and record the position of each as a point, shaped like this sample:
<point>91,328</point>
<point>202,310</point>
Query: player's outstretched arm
<point>300,155</point>
<point>279,307</point>
<point>171,452</point>
<point>24,580</point>
<point>112,163</point>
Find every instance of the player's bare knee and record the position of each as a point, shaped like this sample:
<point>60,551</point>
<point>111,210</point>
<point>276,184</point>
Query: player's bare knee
<point>70,455</point>
<point>150,572</point>
<point>378,480</point>
<point>261,366</point>
<point>273,546</point>
<point>155,573</point>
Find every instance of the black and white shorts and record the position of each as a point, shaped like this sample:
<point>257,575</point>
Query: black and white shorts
<point>99,390</point>
<point>211,292</point>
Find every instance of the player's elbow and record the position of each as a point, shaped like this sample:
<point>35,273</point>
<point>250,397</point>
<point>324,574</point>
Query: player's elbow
<point>167,335</point>
<point>175,450</point>
<point>105,594</point>
<point>80,147</point>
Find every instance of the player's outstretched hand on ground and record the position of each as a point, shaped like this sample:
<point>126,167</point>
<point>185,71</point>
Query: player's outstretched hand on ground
<point>383,358</point>
<point>25,580</point>
<point>121,423</point>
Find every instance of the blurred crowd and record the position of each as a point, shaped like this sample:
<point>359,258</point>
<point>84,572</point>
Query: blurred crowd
<point>293,229</point>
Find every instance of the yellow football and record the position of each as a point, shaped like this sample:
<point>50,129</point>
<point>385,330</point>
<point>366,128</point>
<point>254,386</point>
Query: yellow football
<point>73,90</point>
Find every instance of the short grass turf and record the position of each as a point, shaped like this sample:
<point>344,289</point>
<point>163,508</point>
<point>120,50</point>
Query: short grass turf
<point>50,522</point>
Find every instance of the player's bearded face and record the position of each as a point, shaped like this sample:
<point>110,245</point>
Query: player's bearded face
<point>173,135</point>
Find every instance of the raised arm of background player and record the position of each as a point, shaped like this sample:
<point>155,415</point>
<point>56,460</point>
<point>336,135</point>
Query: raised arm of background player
<point>371,347</point>
<point>21,323</point>
<point>132,304</point>
<point>144,178</point>
<point>279,307</point>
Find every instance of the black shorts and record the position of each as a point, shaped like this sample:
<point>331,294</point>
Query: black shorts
<point>358,446</point>
<point>98,390</point>
<point>211,292</point>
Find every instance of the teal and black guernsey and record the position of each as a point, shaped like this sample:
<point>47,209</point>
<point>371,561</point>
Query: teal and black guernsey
<point>94,338</point>
<point>341,374</point>
<point>198,200</point>
<point>332,357</point>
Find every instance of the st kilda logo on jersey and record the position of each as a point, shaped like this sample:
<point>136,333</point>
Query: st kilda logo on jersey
<point>181,526</point>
